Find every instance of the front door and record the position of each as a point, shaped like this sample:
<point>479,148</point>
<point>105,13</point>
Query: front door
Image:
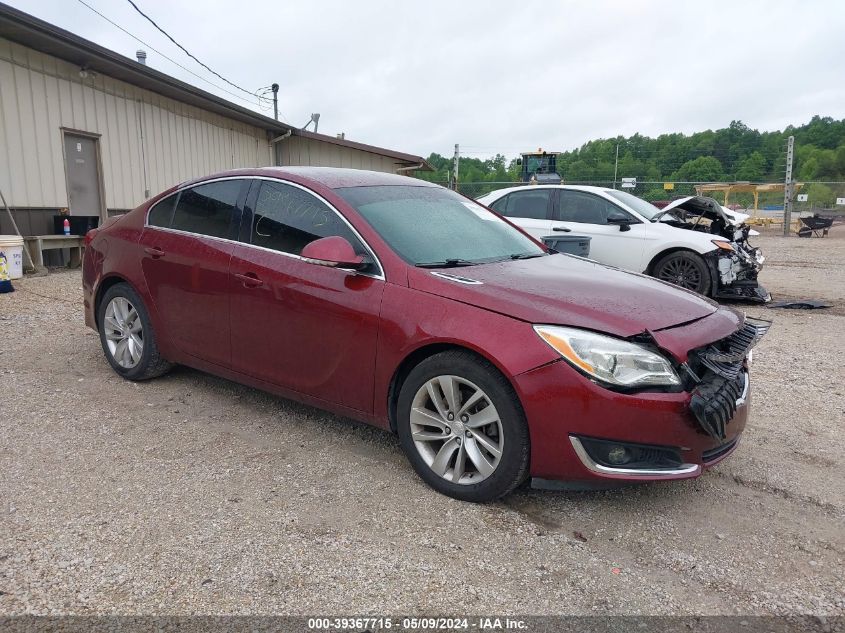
<point>83,175</point>
<point>186,248</point>
<point>301,326</point>
<point>585,213</point>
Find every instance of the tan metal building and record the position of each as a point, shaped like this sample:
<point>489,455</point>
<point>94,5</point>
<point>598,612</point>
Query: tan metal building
<point>84,128</point>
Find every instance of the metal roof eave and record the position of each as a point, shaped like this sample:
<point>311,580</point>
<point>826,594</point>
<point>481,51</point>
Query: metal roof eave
<point>27,30</point>
<point>34,33</point>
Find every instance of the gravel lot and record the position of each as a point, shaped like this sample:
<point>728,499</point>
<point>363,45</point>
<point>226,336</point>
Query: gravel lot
<point>190,494</point>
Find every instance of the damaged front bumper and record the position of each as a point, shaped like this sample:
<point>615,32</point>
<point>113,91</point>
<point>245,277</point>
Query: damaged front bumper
<point>735,273</point>
<point>606,438</point>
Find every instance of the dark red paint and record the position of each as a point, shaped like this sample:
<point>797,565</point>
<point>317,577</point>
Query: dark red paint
<point>336,339</point>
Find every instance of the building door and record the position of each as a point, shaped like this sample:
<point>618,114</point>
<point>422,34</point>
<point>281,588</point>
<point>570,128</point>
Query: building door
<point>83,175</point>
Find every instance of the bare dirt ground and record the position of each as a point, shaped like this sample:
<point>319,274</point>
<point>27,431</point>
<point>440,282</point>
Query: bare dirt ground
<point>190,494</point>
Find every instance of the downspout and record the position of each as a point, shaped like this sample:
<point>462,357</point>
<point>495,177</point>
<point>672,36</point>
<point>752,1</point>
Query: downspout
<point>411,168</point>
<point>273,142</point>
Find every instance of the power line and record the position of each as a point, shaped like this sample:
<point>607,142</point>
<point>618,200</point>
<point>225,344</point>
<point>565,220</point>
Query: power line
<point>172,61</point>
<point>187,52</point>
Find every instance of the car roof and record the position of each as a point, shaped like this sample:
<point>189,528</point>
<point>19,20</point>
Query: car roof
<point>590,188</point>
<point>330,177</point>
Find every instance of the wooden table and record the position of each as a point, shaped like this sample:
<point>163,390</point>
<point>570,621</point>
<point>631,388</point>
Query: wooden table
<point>37,244</point>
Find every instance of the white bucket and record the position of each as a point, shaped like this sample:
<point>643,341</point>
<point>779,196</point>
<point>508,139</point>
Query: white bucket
<point>12,247</point>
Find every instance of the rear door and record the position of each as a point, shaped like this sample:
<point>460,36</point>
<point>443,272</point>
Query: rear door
<point>305,327</point>
<point>187,244</point>
<point>585,213</point>
<point>529,209</point>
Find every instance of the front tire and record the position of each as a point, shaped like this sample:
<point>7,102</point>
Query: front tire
<point>127,336</point>
<point>685,269</point>
<point>462,427</point>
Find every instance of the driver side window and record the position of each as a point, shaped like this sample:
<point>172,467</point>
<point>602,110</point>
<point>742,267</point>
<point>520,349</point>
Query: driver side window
<point>286,219</point>
<point>580,206</point>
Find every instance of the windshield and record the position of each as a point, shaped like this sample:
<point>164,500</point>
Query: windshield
<point>433,225</point>
<point>645,209</point>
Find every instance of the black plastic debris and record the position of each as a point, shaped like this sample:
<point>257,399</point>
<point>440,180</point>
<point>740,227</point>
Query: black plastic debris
<point>800,304</point>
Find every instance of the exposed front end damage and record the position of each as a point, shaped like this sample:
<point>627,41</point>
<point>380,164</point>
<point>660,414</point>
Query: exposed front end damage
<point>734,271</point>
<point>718,377</point>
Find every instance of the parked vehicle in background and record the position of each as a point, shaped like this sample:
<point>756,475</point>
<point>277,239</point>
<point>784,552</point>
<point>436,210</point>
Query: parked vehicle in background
<point>692,242</point>
<point>405,305</point>
<point>539,167</point>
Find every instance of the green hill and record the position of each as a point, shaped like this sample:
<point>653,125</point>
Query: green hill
<point>733,153</point>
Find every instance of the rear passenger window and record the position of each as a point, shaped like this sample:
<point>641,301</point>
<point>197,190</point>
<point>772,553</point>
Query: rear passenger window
<point>500,205</point>
<point>162,212</point>
<point>286,218</point>
<point>532,204</point>
<point>207,209</point>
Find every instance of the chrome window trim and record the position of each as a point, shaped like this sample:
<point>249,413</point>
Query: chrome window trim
<point>150,210</point>
<point>181,188</point>
<point>683,469</point>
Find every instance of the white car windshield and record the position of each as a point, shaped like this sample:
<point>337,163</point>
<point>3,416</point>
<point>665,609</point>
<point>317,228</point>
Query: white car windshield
<point>645,209</point>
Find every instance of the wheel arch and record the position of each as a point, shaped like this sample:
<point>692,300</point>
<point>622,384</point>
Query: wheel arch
<point>418,355</point>
<point>112,279</point>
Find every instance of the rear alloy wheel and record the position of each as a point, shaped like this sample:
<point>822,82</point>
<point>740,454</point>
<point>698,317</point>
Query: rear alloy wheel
<point>124,332</point>
<point>127,336</point>
<point>462,427</point>
<point>685,269</point>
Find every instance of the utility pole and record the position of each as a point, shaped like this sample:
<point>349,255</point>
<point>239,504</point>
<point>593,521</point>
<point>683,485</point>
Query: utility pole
<point>457,161</point>
<point>787,188</point>
<point>275,89</point>
<point>616,166</point>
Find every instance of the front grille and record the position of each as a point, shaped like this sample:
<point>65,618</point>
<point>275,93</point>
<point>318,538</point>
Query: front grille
<point>726,357</point>
<point>715,453</point>
<point>714,402</point>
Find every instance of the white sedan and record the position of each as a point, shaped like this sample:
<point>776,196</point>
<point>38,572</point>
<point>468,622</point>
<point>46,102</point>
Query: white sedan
<point>694,242</point>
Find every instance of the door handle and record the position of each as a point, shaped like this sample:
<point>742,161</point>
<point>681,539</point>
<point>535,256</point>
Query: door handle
<point>154,252</point>
<point>562,229</point>
<point>250,280</point>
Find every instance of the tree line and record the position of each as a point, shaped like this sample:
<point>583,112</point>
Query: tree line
<point>734,153</point>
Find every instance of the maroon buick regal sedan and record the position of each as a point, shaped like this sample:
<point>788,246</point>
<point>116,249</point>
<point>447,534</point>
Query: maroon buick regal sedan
<point>405,305</point>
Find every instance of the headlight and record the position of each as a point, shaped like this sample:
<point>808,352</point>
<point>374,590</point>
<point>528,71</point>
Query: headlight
<point>610,360</point>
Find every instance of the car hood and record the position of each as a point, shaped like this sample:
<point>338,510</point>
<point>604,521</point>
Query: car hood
<point>565,290</point>
<point>707,207</point>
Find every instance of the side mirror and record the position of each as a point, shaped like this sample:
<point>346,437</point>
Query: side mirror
<point>334,252</point>
<point>624,223</point>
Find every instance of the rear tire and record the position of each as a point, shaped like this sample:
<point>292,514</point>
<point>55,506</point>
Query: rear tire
<point>127,336</point>
<point>685,269</point>
<point>462,428</point>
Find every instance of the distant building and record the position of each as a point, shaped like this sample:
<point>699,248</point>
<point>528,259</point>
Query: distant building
<point>84,128</point>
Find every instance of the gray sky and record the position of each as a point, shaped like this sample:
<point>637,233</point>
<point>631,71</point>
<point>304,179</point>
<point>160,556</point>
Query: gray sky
<point>497,76</point>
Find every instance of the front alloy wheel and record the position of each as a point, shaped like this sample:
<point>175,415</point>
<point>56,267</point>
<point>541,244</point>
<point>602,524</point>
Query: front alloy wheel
<point>462,427</point>
<point>685,269</point>
<point>456,429</point>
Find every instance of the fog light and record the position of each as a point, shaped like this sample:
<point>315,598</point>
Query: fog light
<point>617,454</point>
